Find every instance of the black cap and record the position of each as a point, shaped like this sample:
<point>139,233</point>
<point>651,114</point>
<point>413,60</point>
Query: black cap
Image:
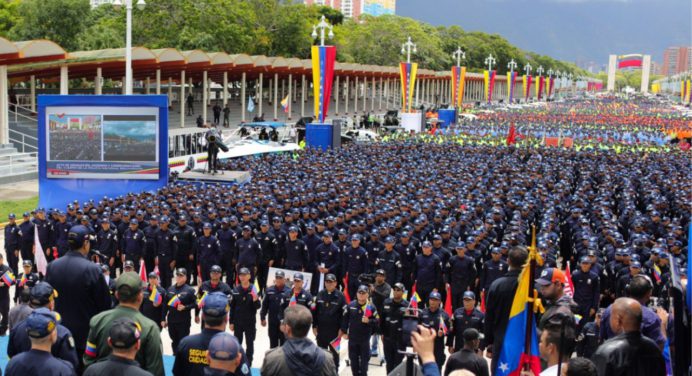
<point>279,274</point>
<point>330,277</point>
<point>379,271</point>
<point>153,275</point>
<point>363,288</point>
<point>27,263</point>
<point>399,286</point>
<point>129,264</point>
<point>215,269</point>
<point>244,271</point>
<point>471,334</point>
<point>124,333</point>
<point>181,271</point>
<point>298,277</point>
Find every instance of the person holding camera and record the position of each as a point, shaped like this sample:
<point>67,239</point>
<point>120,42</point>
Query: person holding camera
<point>435,317</point>
<point>359,322</point>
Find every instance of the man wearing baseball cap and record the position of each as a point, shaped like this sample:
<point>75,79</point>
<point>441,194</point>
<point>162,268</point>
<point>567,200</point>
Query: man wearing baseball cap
<point>178,302</point>
<point>273,306</point>
<point>551,286</point>
<point>124,340</point>
<point>244,306</point>
<point>224,356</point>
<point>41,327</point>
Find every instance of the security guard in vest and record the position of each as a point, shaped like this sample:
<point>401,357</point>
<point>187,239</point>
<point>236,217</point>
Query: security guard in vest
<point>244,305</point>
<point>179,300</point>
<point>359,322</point>
<point>191,357</point>
<point>129,293</point>
<point>329,309</point>
<point>40,327</point>
<point>42,296</point>
<point>272,305</point>
<point>464,318</point>
<point>392,329</point>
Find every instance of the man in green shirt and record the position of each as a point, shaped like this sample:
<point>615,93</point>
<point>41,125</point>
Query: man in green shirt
<point>128,290</point>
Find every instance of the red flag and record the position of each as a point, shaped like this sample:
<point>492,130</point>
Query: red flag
<point>569,286</point>
<point>448,301</point>
<point>512,136</point>
<point>346,296</point>
<point>156,270</point>
<point>142,271</point>
<point>483,301</point>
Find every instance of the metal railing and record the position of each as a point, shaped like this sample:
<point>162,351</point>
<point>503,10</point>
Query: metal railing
<point>18,114</point>
<point>187,143</point>
<point>21,139</point>
<point>14,164</point>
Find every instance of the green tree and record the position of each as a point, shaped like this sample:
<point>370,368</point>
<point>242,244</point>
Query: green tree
<point>9,15</point>
<point>57,20</point>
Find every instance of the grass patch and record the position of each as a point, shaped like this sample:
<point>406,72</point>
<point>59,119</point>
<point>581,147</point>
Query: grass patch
<point>17,207</point>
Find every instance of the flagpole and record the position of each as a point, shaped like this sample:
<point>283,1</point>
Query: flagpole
<point>529,316</point>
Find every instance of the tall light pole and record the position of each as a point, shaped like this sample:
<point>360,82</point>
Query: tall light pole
<point>527,69</point>
<point>407,47</point>
<point>459,54</point>
<point>490,60</point>
<point>550,72</point>
<point>322,25</point>
<point>128,39</point>
<point>512,65</point>
<point>539,70</point>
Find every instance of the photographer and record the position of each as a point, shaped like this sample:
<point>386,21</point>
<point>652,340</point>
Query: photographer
<point>423,342</point>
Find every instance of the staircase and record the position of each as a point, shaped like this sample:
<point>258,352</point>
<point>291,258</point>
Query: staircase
<point>16,166</point>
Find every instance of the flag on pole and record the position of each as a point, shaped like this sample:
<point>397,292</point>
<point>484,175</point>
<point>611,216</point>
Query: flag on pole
<point>293,301</point>
<point>156,270</point>
<point>142,271</point>
<point>527,86</point>
<point>367,310</point>
<point>489,81</point>
<point>512,136</point>
<point>346,295</point>
<point>448,301</point>
<point>253,291</point>
<point>41,262</point>
<point>250,105</point>
<point>9,278</point>
<point>284,104</point>
<point>336,344</point>
<point>458,82</point>
<point>483,301</point>
<point>569,285</point>
<point>155,297</point>
<point>415,299</point>
<point>442,326</point>
<point>323,59</point>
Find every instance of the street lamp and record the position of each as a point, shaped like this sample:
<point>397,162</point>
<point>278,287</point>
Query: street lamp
<point>407,47</point>
<point>550,72</point>
<point>527,69</point>
<point>459,54</point>
<point>490,60</point>
<point>323,25</point>
<point>128,39</point>
<point>539,70</point>
<point>512,65</point>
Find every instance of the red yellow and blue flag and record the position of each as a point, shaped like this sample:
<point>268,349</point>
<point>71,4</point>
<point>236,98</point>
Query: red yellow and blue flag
<point>8,278</point>
<point>254,291</point>
<point>284,104</point>
<point>90,350</point>
<point>155,297</point>
<point>200,301</point>
<point>293,301</point>
<point>511,78</point>
<point>407,72</point>
<point>657,273</point>
<point>442,326</point>
<point>336,344</point>
<point>175,300</point>
<point>323,58</point>
<point>415,299</point>
<point>367,310</point>
<point>22,281</point>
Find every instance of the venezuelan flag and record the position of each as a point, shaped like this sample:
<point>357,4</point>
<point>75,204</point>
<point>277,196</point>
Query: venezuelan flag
<point>415,299</point>
<point>489,81</point>
<point>513,356</point>
<point>511,78</point>
<point>442,326</point>
<point>293,301</point>
<point>200,302</point>
<point>336,344</point>
<point>175,300</point>
<point>8,278</point>
<point>323,58</point>
<point>155,297</point>
<point>22,281</point>
<point>253,290</point>
<point>407,71</point>
<point>90,350</point>
<point>367,310</point>
<point>284,104</point>
<point>657,273</point>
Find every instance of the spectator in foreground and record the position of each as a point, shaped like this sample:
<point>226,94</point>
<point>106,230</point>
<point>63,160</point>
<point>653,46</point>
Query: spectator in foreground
<point>467,358</point>
<point>124,341</point>
<point>580,367</point>
<point>224,355</point>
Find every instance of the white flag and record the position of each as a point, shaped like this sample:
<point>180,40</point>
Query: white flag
<point>41,262</point>
<point>250,105</point>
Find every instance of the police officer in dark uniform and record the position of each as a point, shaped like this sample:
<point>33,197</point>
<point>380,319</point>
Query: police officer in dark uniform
<point>25,280</point>
<point>327,259</point>
<point>26,233</point>
<point>493,269</point>
<point>297,294</point>
<point>208,251</point>
<point>41,328</point>
<point>359,322</point>
<point>389,261</point>
<point>42,298</point>
<point>465,317</point>
<point>273,305</point>
<point>244,305</point>
<point>13,237</point>
<point>435,317</point>
<point>150,248</point>
<point>153,300</point>
<point>187,238</point>
<point>268,245</point>
<point>179,301</point>
<point>427,272</point>
<point>81,287</point>
<point>165,248</point>
<point>392,320</point>
<point>62,228</point>
<point>249,252</point>
<point>133,244</point>
<point>107,244</point>
<point>110,282</point>
<point>328,312</point>
<point>214,284</point>
<point>295,252</point>
<point>355,263</point>
<point>461,274</point>
<point>587,291</point>
<point>46,234</point>
<point>227,238</point>
<point>407,254</point>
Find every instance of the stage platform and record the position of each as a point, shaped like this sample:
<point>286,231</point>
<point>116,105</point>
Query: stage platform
<point>223,177</point>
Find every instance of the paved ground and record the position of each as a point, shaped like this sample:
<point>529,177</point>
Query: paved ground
<point>18,191</point>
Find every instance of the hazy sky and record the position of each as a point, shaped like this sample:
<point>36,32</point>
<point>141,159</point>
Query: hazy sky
<point>567,29</point>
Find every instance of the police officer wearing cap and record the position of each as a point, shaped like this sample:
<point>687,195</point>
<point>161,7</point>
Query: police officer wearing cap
<point>461,274</point>
<point>191,357</point>
<point>249,252</point>
<point>26,233</point>
<point>207,251</point>
<point>391,326</point>
<point>152,304</point>
<point>244,305</point>
<point>179,301</point>
<point>214,284</point>
<point>25,280</point>
<point>355,263</point>
<point>129,294</point>
<point>124,339</point>
<point>165,248</point>
<point>464,317</point>
<point>328,312</point>
<point>587,291</point>
<point>107,244</point>
<point>268,244</point>
<point>326,261</point>
<point>297,294</point>
<point>389,261</point>
<point>427,272</point>
<point>81,286</point>
<point>436,318</point>
<point>110,282</point>
<point>42,297</point>
<point>40,326</point>
<point>273,306</point>
<point>493,269</point>
<point>227,238</point>
<point>295,253</point>
<point>187,238</point>
<point>13,237</point>
<point>150,247</point>
<point>46,233</point>
<point>407,251</point>
<point>133,243</point>
<point>359,322</point>
<point>225,357</point>
<point>61,229</point>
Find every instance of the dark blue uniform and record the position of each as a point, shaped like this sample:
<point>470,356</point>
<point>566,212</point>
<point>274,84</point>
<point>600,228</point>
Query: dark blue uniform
<point>185,257</point>
<point>327,256</point>
<point>227,238</point>
<point>268,245</point>
<point>36,362</point>
<point>63,348</point>
<point>492,270</point>
<point>249,254</point>
<point>13,237</point>
<point>427,273</point>
<point>407,255</point>
<point>166,248</point>
<point>27,240</point>
<point>328,312</point>
<point>29,282</point>
<point>150,248</point>
<point>209,287</point>
<point>243,312</point>
<point>61,231</point>
<point>191,357</point>
<point>273,305</point>
<point>107,244</point>
<point>179,321</point>
<point>208,251</point>
<point>587,291</point>
<point>355,263</point>
<point>390,263</point>
<point>434,320</point>
<point>147,308</point>
<point>462,320</point>
<point>359,335</point>
<point>46,235</point>
<point>392,329</point>
<point>295,255</point>
<point>133,244</point>
<point>461,274</point>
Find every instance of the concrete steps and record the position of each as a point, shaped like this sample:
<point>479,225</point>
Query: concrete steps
<point>16,166</point>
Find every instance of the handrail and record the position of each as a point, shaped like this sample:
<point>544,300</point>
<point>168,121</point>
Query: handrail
<point>22,165</point>
<point>23,142</point>
<point>16,113</point>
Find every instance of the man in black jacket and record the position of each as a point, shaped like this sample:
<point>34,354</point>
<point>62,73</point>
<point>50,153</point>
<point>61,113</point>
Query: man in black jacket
<point>499,303</point>
<point>467,358</point>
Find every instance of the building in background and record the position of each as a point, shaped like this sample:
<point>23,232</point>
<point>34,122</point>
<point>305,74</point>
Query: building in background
<point>96,3</point>
<point>676,60</point>
<point>354,8</point>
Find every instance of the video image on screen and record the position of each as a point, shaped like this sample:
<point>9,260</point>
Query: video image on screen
<point>129,138</point>
<point>74,137</point>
